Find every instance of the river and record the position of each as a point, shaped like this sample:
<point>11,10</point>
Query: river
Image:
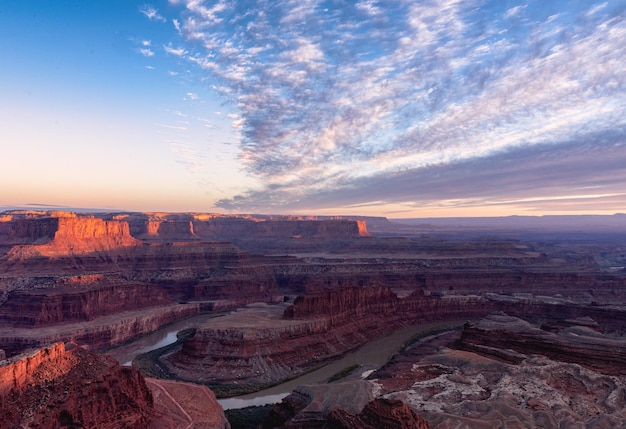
<point>160,338</point>
<point>369,357</point>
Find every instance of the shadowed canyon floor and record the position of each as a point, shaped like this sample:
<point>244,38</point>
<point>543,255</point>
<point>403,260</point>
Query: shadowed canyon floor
<point>303,291</point>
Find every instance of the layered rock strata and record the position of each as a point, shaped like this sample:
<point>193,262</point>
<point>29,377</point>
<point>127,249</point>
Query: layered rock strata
<point>346,405</point>
<point>102,332</point>
<point>579,343</point>
<point>259,346</point>
<point>380,413</point>
<point>43,307</point>
<point>61,386</point>
<point>263,344</point>
<point>67,386</point>
<point>184,227</point>
<point>254,346</point>
<point>504,381</point>
<point>309,406</point>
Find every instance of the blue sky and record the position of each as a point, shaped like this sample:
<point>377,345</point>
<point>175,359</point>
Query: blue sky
<point>398,108</point>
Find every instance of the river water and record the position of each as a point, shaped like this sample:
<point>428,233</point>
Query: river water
<point>160,338</point>
<point>369,357</point>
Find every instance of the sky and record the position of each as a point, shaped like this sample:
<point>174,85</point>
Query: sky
<point>398,108</point>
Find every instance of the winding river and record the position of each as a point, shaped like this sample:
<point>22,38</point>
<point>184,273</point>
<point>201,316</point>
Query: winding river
<point>160,338</point>
<point>369,357</point>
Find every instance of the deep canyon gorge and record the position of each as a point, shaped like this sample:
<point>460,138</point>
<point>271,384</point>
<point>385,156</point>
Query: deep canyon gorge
<point>541,319</point>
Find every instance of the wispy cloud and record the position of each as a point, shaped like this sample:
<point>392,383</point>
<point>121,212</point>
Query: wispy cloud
<point>179,52</point>
<point>434,102</point>
<point>146,52</point>
<point>151,13</point>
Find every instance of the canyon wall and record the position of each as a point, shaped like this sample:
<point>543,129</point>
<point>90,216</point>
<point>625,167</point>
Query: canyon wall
<point>43,307</point>
<point>343,405</point>
<point>576,342</point>
<point>66,386</point>
<point>326,324</point>
<point>61,386</point>
<point>263,347</point>
<point>103,332</point>
<point>59,231</point>
<point>189,227</point>
<point>504,371</point>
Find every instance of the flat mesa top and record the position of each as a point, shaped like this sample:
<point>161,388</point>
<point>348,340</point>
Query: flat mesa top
<point>254,317</point>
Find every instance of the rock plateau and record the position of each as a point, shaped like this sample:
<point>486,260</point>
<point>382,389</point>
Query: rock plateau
<point>300,291</point>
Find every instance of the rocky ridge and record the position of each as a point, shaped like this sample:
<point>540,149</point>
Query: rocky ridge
<point>68,386</point>
<point>61,268</point>
<point>100,333</point>
<point>379,413</point>
<point>491,381</point>
<point>259,346</point>
<point>61,274</point>
<point>345,405</point>
<point>577,343</point>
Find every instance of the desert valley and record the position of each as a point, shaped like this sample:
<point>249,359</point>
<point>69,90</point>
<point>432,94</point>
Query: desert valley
<point>487,323</point>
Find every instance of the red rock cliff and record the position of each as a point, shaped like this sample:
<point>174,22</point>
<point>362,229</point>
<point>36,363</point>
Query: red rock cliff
<point>339,305</point>
<point>26,231</point>
<point>186,227</point>
<point>90,233</point>
<point>58,387</point>
<point>577,344</point>
<point>43,307</point>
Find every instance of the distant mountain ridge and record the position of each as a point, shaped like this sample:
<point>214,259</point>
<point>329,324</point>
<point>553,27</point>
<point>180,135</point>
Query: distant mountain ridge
<point>554,223</point>
<point>380,224</point>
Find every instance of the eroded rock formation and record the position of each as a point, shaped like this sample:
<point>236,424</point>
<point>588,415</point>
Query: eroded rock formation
<point>101,279</point>
<point>189,227</point>
<point>309,406</point>
<point>183,405</point>
<point>256,346</point>
<point>380,413</point>
<point>67,386</point>
<point>577,342</point>
<point>503,380</point>
<point>61,386</point>
<point>58,269</point>
<point>99,333</point>
<point>345,405</point>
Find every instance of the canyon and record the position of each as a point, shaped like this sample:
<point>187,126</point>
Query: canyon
<point>295,292</point>
<point>65,385</point>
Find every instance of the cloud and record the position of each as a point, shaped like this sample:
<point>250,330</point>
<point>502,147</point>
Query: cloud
<point>151,13</point>
<point>590,170</point>
<point>514,11</point>
<point>146,52</point>
<point>176,24</point>
<point>431,102</point>
<point>179,52</point>
<point>174,127</point>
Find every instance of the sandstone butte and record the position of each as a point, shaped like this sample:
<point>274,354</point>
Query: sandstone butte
<point>307,290</point>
